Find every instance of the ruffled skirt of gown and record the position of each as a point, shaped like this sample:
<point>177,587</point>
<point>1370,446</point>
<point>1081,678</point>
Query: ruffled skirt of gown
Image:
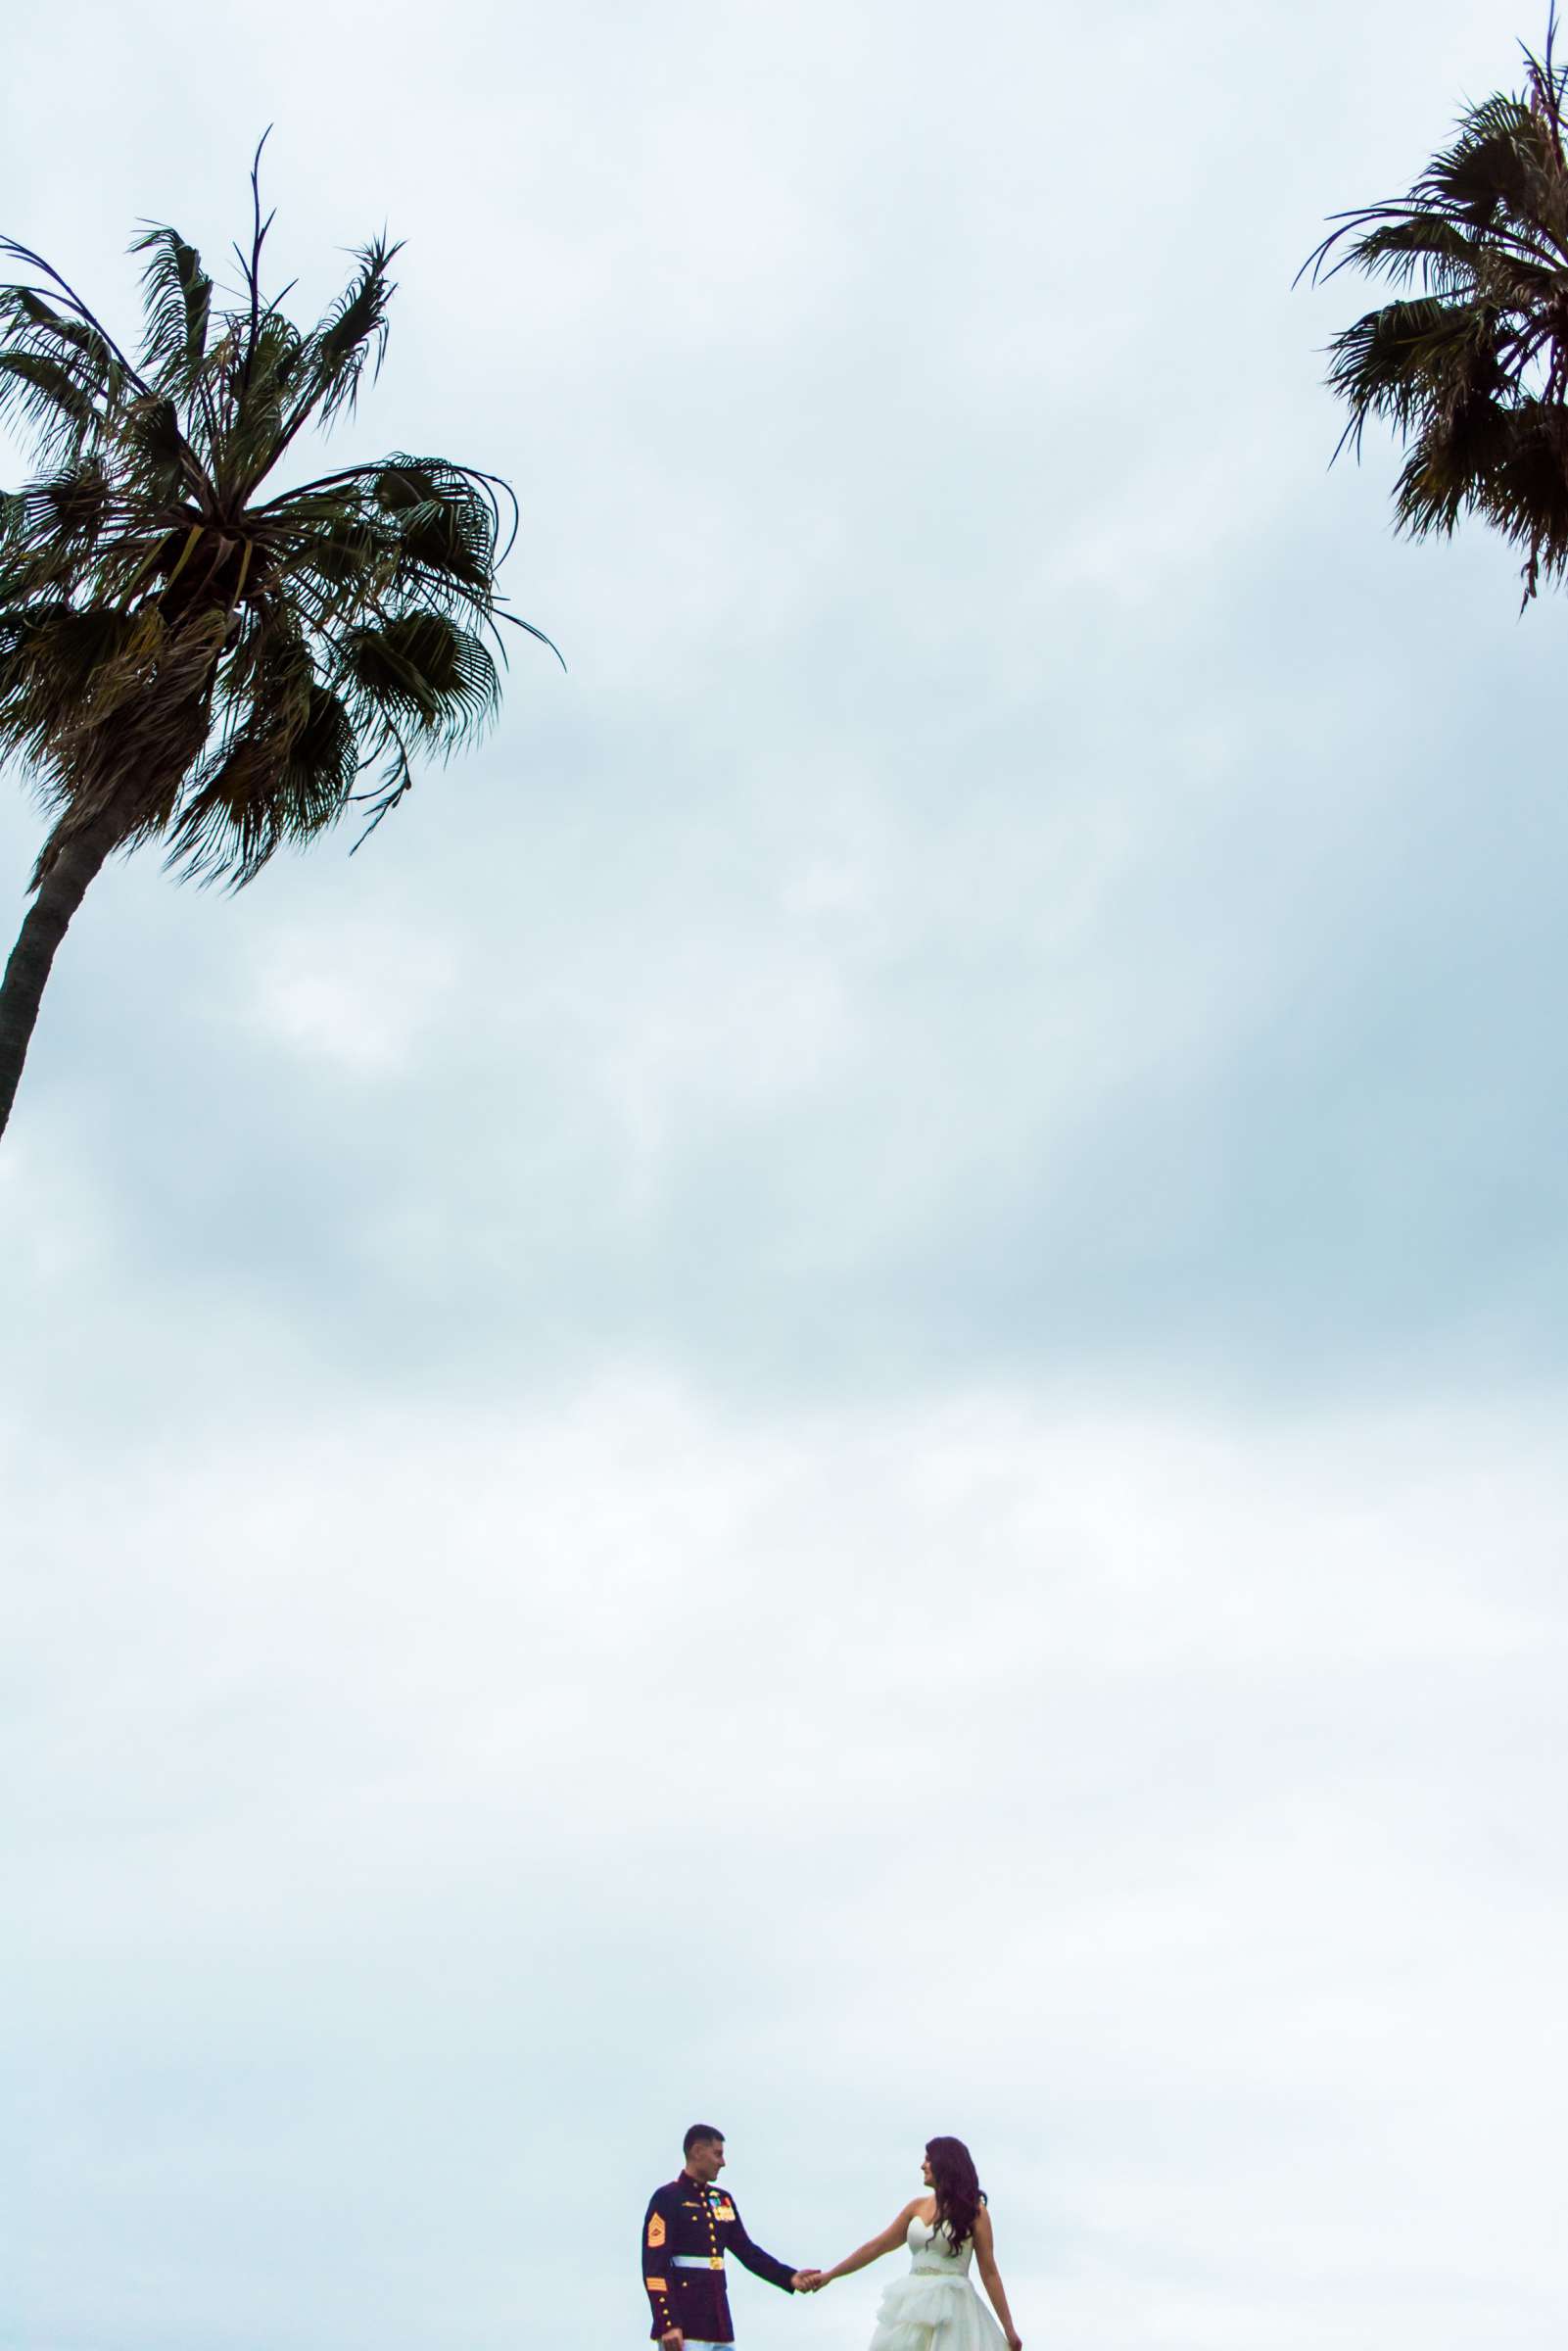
<point>924,2311</point>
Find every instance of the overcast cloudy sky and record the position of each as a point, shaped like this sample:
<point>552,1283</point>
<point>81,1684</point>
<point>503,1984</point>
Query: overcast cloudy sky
<point>836,1401</point>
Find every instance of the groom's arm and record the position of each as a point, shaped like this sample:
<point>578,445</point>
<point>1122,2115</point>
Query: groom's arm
<point>656,2266</point>
<point>752,2257</point>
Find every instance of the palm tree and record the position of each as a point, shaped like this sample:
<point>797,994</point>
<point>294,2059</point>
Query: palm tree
<point>189,655</point>
<point>1469,364</point>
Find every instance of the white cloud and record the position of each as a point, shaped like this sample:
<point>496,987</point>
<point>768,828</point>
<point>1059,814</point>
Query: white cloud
<point>361,997</point>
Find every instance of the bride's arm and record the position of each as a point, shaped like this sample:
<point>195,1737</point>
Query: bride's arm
<point>985,2255</point>
<point>874,2247</point>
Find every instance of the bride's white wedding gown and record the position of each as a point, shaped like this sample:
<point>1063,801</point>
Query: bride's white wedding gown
<point>934,2307</point>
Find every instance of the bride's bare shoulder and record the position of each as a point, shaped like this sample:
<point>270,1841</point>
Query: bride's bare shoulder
<point>897,2230</point>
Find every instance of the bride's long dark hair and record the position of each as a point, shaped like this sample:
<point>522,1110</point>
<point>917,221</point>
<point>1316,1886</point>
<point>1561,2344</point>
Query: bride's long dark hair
<point>957,2185</point>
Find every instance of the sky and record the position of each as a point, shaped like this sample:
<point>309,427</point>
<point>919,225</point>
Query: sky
<point>835,1401</point>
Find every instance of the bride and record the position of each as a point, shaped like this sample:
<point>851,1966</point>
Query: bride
<point>935,2308</point>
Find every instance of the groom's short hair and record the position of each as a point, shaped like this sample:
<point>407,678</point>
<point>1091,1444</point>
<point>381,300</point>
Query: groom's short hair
<point>697,2134</point>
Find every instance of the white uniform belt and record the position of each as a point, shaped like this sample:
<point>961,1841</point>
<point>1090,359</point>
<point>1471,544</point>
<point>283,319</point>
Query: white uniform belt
<point>696,2261</point>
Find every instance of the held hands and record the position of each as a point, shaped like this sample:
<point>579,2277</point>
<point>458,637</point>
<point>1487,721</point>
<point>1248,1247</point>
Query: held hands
<point>808,2281</point>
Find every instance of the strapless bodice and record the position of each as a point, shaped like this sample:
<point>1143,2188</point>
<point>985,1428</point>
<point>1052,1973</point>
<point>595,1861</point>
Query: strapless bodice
<point>930,2254</point>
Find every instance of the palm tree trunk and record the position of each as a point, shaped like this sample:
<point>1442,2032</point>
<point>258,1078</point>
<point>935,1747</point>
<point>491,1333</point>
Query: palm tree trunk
<point>58,896</point>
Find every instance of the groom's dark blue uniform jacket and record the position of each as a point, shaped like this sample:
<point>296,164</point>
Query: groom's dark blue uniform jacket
<point>686,2232</point>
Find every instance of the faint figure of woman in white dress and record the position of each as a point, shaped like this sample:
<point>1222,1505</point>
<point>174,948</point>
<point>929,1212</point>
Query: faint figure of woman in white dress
<point>934,2307</point>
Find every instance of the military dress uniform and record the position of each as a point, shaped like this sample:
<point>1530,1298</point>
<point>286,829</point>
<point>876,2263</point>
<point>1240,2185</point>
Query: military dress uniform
<point>687,2230</point>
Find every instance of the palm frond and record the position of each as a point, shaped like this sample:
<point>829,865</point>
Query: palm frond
<point>283,770</point>
<point>74,303</point>
<point>266,389</point>
<point>352,334</point>
<point>179,308</point>
<point>1414,247</point>
<point>424,673</point>
<point>45,397</point>
<point>1523,491</point>
<point>1396,361</point>
<point>1494,169</point>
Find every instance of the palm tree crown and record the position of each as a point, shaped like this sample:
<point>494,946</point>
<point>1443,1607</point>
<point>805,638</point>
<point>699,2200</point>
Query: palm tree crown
<point>186,653</point>
<point>1469,364</point>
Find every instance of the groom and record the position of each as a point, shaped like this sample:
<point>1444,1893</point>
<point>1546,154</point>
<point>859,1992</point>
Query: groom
<point>687,2230</point>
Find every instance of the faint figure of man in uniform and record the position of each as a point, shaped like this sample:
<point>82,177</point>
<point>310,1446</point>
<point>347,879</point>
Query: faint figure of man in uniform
<point>687,2230</point>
